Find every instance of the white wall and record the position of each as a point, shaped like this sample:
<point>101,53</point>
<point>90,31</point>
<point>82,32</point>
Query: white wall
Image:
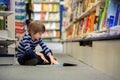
<point>103,55</point>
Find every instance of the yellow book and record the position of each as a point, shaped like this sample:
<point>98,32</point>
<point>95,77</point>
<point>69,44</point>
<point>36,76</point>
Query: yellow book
<point>54,7</point>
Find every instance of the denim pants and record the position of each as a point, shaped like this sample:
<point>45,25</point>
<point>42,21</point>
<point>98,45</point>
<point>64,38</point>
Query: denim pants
<point>30,57</point>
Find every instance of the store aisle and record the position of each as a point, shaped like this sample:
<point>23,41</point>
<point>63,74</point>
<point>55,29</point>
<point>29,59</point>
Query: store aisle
<point>80,72</point>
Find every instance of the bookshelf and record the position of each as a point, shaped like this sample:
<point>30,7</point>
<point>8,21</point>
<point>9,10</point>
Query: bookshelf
<point>43,2</point>
<point>48,12</point>
<point>6,29</point>
<point>89,24</point>
<point>84,14</point>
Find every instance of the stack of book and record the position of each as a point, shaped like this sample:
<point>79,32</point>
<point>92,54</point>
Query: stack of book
<point>20,14</point>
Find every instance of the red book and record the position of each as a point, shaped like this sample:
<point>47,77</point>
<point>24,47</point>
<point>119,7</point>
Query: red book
<point>87,24</point>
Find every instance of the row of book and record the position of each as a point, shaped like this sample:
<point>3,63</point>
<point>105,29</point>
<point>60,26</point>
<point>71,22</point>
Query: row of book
<point>51,34</point>
<point>80,6</point>
<point>46,7</point>
<point>47,16</point>
<point>48,12</point>
<point>45,0</point>
<point>106,16</point>
<point>52,26</point>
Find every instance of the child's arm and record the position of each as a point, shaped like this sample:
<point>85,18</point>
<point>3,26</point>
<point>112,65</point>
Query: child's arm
<point>47,52</point>
<point>42,57</point>
<point>53,61</point>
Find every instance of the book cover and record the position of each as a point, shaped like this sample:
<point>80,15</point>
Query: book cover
<point>54,7</point>
<point>42,16</point>
<point>111,12</point>
<point>79,31</point>
<point>92,20</point>
<point>100,19</point>
<point>84,25</point>
<point>46,16</point>
<point>104,15</point>
<point>87,24</point>
<point>1,24</point>
<point>44,7</point>
<point>117,17</point>
<point>37,7</point>
<point>96,22</point>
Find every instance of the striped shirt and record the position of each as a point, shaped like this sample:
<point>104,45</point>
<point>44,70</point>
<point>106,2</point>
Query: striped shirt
<point>27,45</point>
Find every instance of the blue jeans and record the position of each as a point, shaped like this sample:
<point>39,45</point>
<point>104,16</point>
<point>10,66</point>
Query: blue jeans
<point>23,59</point>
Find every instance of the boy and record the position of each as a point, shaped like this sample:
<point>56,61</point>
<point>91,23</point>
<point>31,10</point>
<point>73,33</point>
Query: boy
<point>26,53</point>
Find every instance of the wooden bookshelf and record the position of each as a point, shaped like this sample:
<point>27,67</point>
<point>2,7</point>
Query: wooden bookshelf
<point>89,11</point>
<point>100,38</point>
<point>84,14</point>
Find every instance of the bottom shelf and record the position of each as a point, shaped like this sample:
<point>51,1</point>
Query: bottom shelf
<point>110,37</point>
<point>7,55</point>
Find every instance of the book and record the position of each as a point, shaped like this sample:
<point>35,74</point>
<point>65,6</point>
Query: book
<point>37,7</point>
<point>96,22</point>
<point>117,17</point>
<point>104,14</point>
<point>79,30</point>
<point>100,19</point>
<point>37,16</point>
<point>87,24</point>
<point>92,20</point>
<point>111,12</point>
<point>54,7</point>
<point>1,24</point>
<point>84,25</point>
<point>42,16</point>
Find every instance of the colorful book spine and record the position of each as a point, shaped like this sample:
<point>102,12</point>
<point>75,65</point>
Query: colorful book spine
<point>87,24</point>
<point>100,19</point>
<point>104,14</point>
<point>117,17</point>
<point>92,20</point>
<point>84,25</point>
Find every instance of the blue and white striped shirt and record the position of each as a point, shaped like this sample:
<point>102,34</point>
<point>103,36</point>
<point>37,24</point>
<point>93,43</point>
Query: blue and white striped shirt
<point>27,45</point>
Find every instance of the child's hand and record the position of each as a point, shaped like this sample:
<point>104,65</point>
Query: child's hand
<point>42,57</point>
<point>53,61</point>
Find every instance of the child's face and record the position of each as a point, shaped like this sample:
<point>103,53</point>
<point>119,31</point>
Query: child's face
<point>38,35</point>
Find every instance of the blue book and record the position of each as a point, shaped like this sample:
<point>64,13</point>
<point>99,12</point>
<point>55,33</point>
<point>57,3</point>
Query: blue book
<point>111,12</point>
<point>4,1</point>
<point>19,3</point>
<point>19,10</point>
<point>117,17</point>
